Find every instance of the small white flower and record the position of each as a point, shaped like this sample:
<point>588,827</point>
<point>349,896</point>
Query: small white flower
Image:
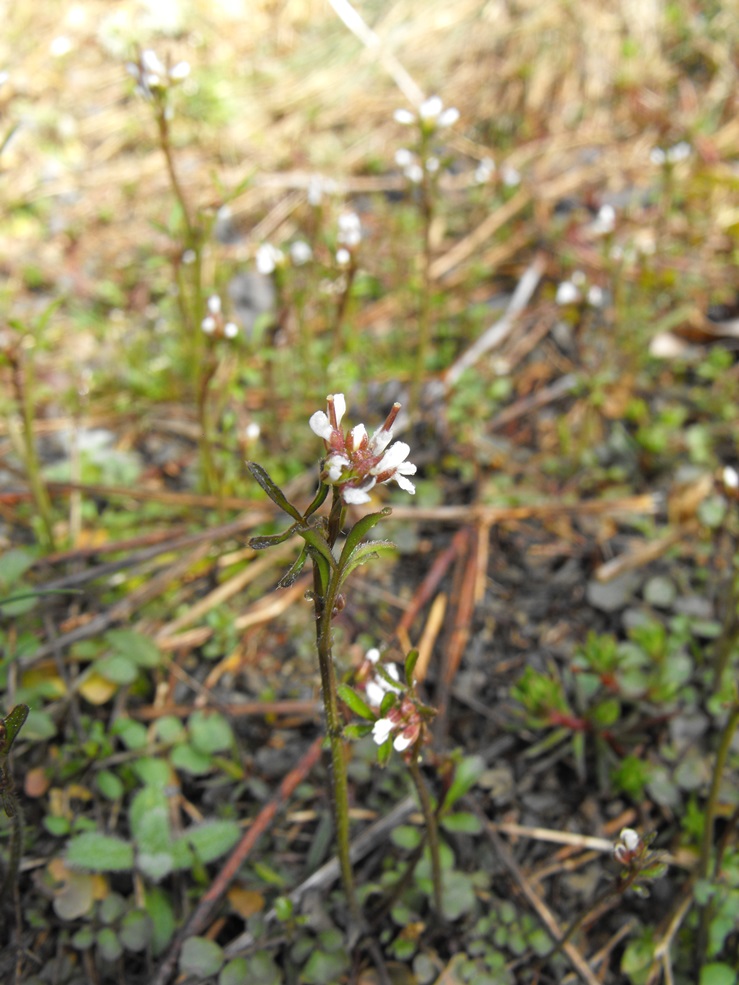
<point>356,463</point>
<point>214,304</point>
<point>151,62</point>
<point>373,655</point>
<point>267,258</point>
<point>484,170</point>
<point>605,221</point>
<point>378,687</point>
<point>432,164</point>
<point>596,296</point>
<point>730,477</point>
<point>343,257</point>
<point>657,155</point>
<point>629,838</point>
<point>511,177</point>
<point>414,173</point>
<point>381,730</point>
<point>448,117</point>
<point>230,330</point>
<point>403,157</point>
<point>208,325</point>
<point>60,46</point>
<point>430,108</point>
<point>179,71</point>
<point>252,431</point>
<point>401,742</point>
<point>404,117</point>
<point>300,252</point>
<point>567,293</point>
<point>679,152</point>
<point>350,229</point>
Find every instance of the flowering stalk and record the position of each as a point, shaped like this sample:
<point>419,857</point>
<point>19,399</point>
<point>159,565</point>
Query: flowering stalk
<point>21,371</point>
<point>401,723</point>
<point>154,82</point>
<point>423,169</point>
<point>348,238</point>
<point>354,465</point>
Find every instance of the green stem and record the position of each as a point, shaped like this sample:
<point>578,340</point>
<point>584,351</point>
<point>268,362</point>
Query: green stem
<point>165,144</point>
<point>324,600</point>
<point>704,863</point>
<point>424,303</point>
<point>432,829</point>
<point>191,304</point>
<point>23,386</point>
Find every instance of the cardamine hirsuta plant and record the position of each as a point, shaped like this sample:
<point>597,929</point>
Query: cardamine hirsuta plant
<point>353,465</point>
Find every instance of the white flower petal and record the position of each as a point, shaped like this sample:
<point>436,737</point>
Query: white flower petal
<point>405,484</point>
<point>404,116</point>
<point>179,71</point>
<point>401,743</point>
<point>320,425</point>
<point>567,293</point>
<point>392,458</point>
<point>335,464</point>
<point>354,496</point>
<point>430,108</point>
<point>214,304</point>
<point>630,839</point>
<point>339,406</point>
<point>359,433</point>
<point>381,730</point>
<point>380,440</point>
<point>151,63</point>
<point>373,655</point>
<point>374,693</point>
<point>449,117</point>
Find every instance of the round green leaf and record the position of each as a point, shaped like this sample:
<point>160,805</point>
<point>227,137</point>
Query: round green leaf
<point>117,668</point>
<point>136,930</point>
<point>135,646</point>
<point>717,973</point>
<point>99,853</point>
<point>212,839</point>
<point>169,729</point>
<point>189,760</point>
<point>462,822</point>
<point>236,973</point>
<point>159,908</point>
<point>153,772</point>
<point>201,957</point>
<point>210,732</point>
<point>111,908</point>
<point>108,944</point>
<point>109,784</point>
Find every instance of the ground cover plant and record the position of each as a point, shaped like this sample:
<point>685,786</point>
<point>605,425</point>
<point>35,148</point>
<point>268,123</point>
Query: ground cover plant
<point>446,697</point>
